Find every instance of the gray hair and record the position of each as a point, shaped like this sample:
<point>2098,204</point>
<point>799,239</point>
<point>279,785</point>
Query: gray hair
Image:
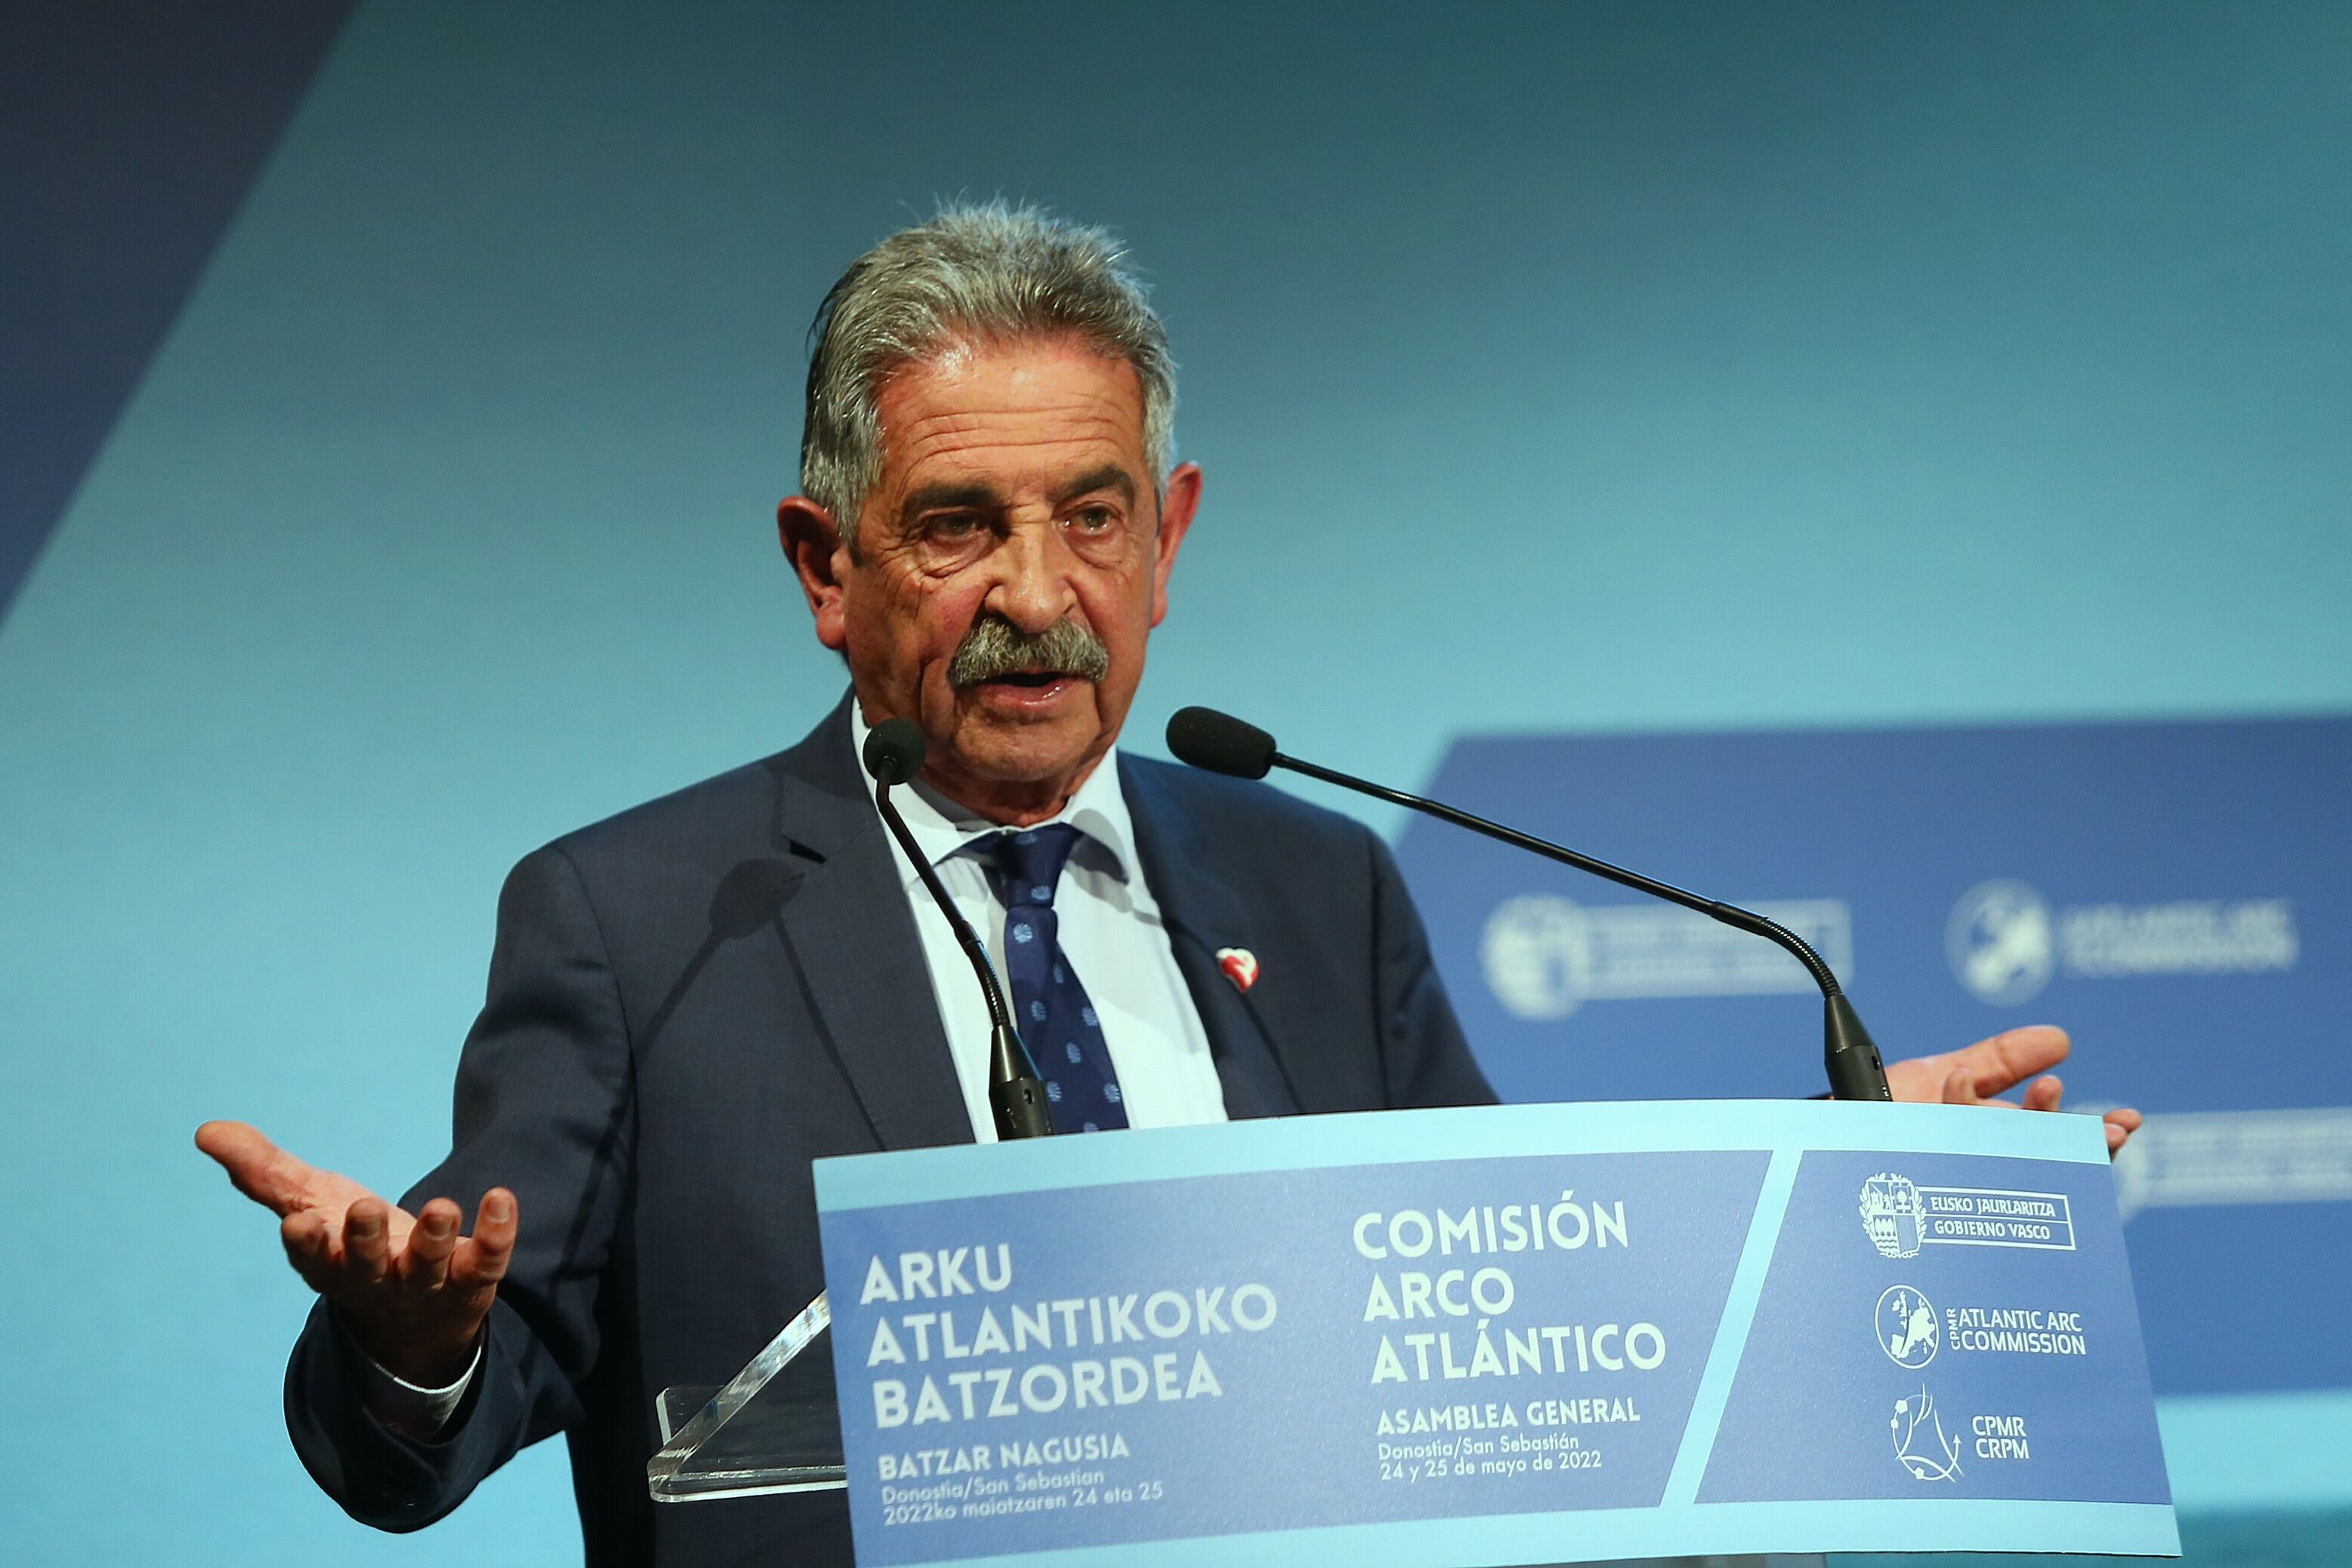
<point>976,274</point>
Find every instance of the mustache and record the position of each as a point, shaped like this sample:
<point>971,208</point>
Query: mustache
<point>996,647</point>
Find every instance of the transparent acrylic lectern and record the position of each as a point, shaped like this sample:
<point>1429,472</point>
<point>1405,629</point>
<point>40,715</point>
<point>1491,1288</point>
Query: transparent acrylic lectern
<point>775,1426</point>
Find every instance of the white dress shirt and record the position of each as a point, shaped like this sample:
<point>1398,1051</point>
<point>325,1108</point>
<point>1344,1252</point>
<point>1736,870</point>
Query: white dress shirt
<point>1110,930</point>
<point>1112,934</point>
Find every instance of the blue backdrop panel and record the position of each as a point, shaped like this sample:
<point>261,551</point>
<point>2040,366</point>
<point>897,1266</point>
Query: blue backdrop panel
<point>134,129</point>
<point>2179,896</point>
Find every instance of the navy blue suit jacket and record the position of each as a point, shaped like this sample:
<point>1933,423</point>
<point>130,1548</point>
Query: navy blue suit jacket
<point>691,1001</point>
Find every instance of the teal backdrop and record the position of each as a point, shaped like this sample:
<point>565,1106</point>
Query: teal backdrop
<point>1554,368</point>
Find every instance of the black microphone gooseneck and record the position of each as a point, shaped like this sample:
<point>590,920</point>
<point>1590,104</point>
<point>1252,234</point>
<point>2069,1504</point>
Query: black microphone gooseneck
<point>1220,744</point>
<point>893,754</point>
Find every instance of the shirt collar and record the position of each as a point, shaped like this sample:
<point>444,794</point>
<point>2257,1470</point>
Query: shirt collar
<point>941,827</point>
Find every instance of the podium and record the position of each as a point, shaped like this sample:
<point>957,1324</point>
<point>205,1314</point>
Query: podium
<point>1519,1334</point>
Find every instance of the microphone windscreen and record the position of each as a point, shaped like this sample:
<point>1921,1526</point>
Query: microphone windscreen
<point>894,751</point>
<point>1220,742</point>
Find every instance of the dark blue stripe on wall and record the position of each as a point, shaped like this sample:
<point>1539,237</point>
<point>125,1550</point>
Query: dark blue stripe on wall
<point>129,134</point>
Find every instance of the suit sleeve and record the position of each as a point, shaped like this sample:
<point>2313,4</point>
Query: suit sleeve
<point>1425,1061</point>
<point>545,1107</point>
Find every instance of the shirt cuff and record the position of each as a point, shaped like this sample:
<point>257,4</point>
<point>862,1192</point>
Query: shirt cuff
<point>407,1408</point>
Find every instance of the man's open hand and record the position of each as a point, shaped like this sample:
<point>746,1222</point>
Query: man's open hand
<point>414,1291</point>
<point>1973,1075</point>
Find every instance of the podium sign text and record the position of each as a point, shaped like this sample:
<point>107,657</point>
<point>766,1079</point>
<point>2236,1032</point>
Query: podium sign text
<point>1508,1335</point>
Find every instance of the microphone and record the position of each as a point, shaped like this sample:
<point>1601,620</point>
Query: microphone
<point>893,754</point>
<point>1220,744</point>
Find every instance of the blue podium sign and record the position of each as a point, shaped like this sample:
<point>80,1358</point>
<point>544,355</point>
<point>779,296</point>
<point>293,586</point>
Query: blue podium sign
<point>1534,1334</point>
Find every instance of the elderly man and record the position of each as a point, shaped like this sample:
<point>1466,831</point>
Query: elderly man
<point>691,1001</point>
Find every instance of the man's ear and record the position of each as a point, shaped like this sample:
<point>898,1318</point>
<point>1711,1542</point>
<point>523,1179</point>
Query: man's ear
<point>813,545</point>
<point>1177,502</point>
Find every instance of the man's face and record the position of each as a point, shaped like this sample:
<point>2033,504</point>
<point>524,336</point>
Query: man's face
<point>1013,498</point>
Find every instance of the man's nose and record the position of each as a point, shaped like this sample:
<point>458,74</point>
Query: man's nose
<point>1033,588</point>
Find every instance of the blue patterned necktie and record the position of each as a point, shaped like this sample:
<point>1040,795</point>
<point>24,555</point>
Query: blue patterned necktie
<point>1064,1035</point>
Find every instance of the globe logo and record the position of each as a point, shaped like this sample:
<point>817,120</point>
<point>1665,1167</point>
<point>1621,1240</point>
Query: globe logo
<point>1893,1215</point>
<point>1536,953</point>
<point>1906,1327</point>
<point>2000,943</point>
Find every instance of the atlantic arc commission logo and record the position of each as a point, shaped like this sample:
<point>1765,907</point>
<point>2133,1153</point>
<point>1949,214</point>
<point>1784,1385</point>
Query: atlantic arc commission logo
<point>1906,1328</point>
<point>2001,942</point>
<point>1893,1215</point>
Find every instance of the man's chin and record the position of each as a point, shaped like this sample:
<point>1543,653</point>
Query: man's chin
<point>1027,734</point>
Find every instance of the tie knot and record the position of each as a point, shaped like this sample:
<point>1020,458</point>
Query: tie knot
<point>1027,865</point>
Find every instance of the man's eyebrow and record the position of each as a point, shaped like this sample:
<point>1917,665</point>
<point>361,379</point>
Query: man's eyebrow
<point>945,497</point>
<point>1109,477</point>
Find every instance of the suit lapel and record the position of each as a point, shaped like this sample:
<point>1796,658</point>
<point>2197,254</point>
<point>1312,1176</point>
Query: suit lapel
<point>1203,914</point>
<point>853,939</point>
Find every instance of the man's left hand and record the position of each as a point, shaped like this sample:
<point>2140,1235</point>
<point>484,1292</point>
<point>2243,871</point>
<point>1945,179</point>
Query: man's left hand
<point>1975,1073</point>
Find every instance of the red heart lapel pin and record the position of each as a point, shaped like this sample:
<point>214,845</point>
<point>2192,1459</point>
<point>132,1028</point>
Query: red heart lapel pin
<point>1240,965</point>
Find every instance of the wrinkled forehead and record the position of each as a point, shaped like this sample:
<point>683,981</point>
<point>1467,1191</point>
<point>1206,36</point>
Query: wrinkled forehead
<point>1026,415</point>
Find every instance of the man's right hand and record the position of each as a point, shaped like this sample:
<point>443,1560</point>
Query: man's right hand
<point>414,1292</point>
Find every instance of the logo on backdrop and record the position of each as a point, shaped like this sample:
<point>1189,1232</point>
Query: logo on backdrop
<point>1545,956</point>
<point>2005,942</point>
<point>1900,1217</point>
<point>2000,942</point>
<point>1906,1327</point>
